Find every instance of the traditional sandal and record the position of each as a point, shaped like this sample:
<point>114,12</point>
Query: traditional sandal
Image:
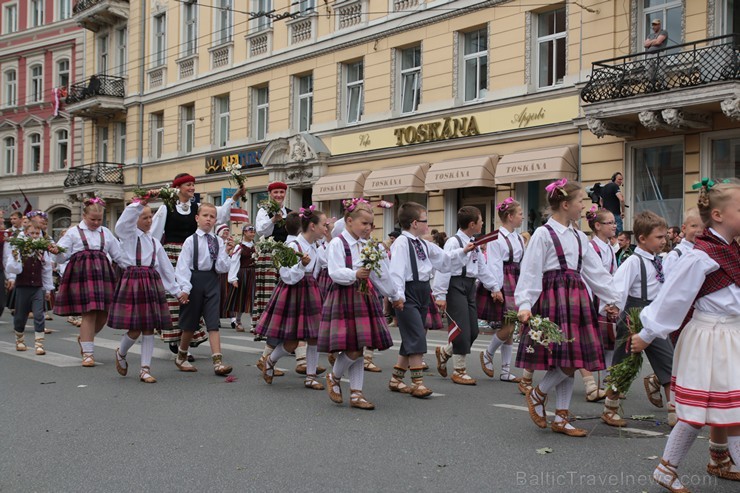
<point>219,368</point>
<point>595,395</point>
<point>312,383</point>
<point>268,370</point>
<point>261,365</point>
<point>39,345</point>
<point>397,385</point>
<point>486,363</point>
<point>507,376</point>
<point>123,371</point>
<point>300,368</point>
<point>358,400</point>
<point>611,416</point>
<point>562,426</point>
<point>145,377</point>
<point>524,384</point>
<point>535,398</point>
<point>370,366</point>
<point>87,360</point>
<point>460,377</point>
<point>723,467</point>
<point>182,363</point>
<point>652,388</point>
<point>20,343</point>
<point>420,391</point>
<point>665,468</point>
<point>333,383</point>
<point>441,361</point>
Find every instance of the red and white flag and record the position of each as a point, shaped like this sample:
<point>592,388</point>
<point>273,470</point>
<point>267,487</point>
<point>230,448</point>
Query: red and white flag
<point>452,330</point>
<point>15,205</point>
<point>239,215</point>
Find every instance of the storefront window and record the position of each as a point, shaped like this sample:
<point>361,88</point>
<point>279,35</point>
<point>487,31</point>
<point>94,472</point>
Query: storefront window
<point>725,158</point>
<point>390,217</point>
<point>657,181</point>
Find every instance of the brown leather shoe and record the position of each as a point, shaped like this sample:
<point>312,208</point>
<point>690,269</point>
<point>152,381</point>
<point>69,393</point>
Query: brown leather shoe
<point>486,363</point>
<point>358,401</point>
<point>313,383</point>
<point>611,416</point>
<point>534,399</point>
<point>441,361</point>
<point>182,364</point>
<point>300,369</point>
<point>87,360</point>
<point>524,384</point>
<point>219,368</point>
<point>268,370</point>
<point>370,366</point>
<point>261,366</point>
<point>561,427</point>
<point>420,391</point>
<point>331,383</point>
<point>119,367</point>
<point>460,377</point>
<point>397,385</point>
<point>145,376</point>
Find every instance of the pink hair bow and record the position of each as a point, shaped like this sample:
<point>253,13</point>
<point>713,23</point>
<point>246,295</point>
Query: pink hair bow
<point>505,204</point>
<point>351,204</point>
<point>306,212</point>
<point>556,185</point>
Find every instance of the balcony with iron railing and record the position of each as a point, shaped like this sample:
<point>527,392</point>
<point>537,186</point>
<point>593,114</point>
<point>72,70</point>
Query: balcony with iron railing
<point>674,88</point>
<point>101,179</point>
<point>100,95</point>
<point>95,15</point>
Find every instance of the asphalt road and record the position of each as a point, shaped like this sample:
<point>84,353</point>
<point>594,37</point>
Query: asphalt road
<point>67,428</point>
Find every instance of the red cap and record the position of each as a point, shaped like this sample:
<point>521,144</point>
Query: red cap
<point>277,185</point>
<point>183,180</point>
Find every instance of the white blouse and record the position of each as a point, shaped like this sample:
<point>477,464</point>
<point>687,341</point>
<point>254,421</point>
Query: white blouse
<point>667,312</point>
<point>541,257</point>
<point>341,274</point>
<point>236,260</point>
<point>474,268</point>
<point>670,260</point>
<point>608,259</point>
<point>628,278</point>
<point>498,253</point>
<point>263,224</point>
<point>184,265</point>
<point>72,242</point>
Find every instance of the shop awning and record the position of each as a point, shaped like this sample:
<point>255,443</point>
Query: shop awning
<point>462,173</point>
<point>538,164</point>
<point>401,179</point>
<point>339,186</point>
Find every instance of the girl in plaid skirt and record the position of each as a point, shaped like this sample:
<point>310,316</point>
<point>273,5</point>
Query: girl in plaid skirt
<point>551,284</point>
<point>241,279</point>
<point>351,320</point>
<point>140,305</point>
<point>88,284</point>
<point>504,258</point>
<point>293,312</point>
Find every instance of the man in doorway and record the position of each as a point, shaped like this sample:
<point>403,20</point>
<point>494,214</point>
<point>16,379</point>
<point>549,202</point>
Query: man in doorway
<point>613,200</point>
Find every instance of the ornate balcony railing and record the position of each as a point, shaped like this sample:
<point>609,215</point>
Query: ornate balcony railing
<point>97,85</point>
<point>87,174</point>
<point>687,65</point>
<point>83,5</point>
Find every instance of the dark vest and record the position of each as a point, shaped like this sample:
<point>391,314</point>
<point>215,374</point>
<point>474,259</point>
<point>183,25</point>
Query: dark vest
<point>179,227</point>
<point>246,261</point>
<point>31,275</point>
<point>279,233</point>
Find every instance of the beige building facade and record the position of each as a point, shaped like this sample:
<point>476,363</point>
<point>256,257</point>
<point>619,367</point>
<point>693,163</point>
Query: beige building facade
<point>446,103</point>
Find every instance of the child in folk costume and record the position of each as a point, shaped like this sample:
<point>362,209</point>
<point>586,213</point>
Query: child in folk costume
<point>294,310</point>
<point>454,294</point>
<point>241,278</point>
<point>503,260</point>
<point>140,305</point>
<point>33,284</point>
<point>222,231</point>
<point>204,256</point>
<point>639,280</point>
<point>707,378</point>
<point>88,284</point>
<point>691,227</point>
<point>554,270</point>
<point>352,321</point>
<point>412,262</point>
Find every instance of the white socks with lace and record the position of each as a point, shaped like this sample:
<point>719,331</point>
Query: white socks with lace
<point>147,349</point>
<point>312,360</point>
<point>278,352</point>
<point>356,374</point>
<point>340,365</point>
<point>678,445</point>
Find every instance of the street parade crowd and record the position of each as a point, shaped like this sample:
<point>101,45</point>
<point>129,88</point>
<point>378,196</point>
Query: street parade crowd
<point>307,284</point>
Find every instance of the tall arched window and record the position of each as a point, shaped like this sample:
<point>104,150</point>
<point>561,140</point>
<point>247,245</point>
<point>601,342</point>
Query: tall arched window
<point>9,156</point>
<point>10,88</point>
<point>61,140</point>
<point>34,154</point>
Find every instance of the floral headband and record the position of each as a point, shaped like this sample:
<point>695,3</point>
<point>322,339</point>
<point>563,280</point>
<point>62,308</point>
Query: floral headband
<point>33,214</point>
<point>557,186</point>
<point>94,200</point>
<point>351,204</point>
<point>505,204</point>
<point>591,213</point>
<point>307,212</point>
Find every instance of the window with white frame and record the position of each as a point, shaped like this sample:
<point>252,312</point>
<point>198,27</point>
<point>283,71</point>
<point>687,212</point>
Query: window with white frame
<point>10,88</point>
<point>305,102</point>
<point>551,42</point>
<point>121,142</point>
<point>224,22</point>
<point>34,154</point>
<point>35,13</point>
<point>121,51</point>
<point>63,73</point>
<point>306,6</point>
<point>658,178</point>
<point>410,79</point>
<point>103,56</point>
<point>354,89</point>
<point>61,145</point>
<point>10,166</point>
<point>187,125</point>
<point>262,22</point>
<point>190,27</point>
<point>157,134</point>
<point>36,87</point>
<point>64,9</point>
<point>10,18</point>
<point>159,44</point>
<point>475,65</point>
<point>670,14</point>
<point>103,144</point>
<point>261,112</point>
<point>221,127</point>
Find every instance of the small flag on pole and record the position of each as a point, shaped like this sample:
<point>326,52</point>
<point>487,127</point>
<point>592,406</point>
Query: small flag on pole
<point>15,205</point>
<point>452,330</point>
<point>492,236</point>
<point>239,215</point>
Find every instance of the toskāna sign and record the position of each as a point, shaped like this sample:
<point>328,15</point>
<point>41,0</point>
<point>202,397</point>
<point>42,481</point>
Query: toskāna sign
<point>449,128</point>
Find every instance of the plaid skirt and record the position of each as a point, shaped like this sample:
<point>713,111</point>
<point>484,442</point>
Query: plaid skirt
<point>324,281</point>
<point>565,301</point>
<point>351,321</point>
<point>265,281</point>
<point>88,284</point>
<point>240,298</point>
<point>140,301</point>
<point>433,320</point>
<point>173,335</point>
<point>490,311</point>
<point>293,312</point>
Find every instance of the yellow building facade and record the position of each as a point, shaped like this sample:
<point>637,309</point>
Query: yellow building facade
<point>447,103</point>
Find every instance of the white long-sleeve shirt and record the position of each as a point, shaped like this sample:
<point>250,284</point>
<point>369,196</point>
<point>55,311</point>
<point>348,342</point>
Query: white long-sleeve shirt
<point>628,279</point>
<point>223,214</point>
<point>72,242</point>
<point>670,260</point>
<point>127,229</point>
<point>436,258</point>
<point>236,260</point>
<point>263,224</point>
<point>541,257</point>
<point>606,253</point>
<point>341,274</point>
<point>475,268</point>
<point>667,312</point>
<point>497,252</point>
<point>292,275</point>
<point>339,227</point>
<point>184,266</point>
<point>10,266</point>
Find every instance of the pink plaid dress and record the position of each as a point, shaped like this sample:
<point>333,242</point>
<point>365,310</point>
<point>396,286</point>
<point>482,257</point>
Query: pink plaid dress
<point>494,312</point>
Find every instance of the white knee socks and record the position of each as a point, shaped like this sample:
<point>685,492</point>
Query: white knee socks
<point>679,442</point>
<point>88,347</point>
<point>733,443</point>
<point>506,351</point>
<point>356,374</point>
<point>312,359</point>
<point>551,379</point>
<point>494,345</point>
<point>126,344</point>
<point>147,349</point>
<point>278,352</point>
<point>340,365</point>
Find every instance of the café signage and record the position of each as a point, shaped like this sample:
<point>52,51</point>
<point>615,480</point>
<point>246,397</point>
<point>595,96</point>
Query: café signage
<point>449,128</point>
<point>246,159</point>
<point>525,117</point>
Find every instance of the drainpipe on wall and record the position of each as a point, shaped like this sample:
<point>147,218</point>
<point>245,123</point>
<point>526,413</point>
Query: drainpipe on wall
<point>142,73</point>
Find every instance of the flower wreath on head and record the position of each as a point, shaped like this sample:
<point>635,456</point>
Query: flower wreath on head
<point>505,204</point>
<point>33,214</point>
<point>557,186</point>
<point>351,204</point>
<point>306,212</point>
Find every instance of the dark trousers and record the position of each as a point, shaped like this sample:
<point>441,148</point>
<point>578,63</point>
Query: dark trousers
<point>411,318</point>
<point>204,301</point>
<point>461,308</point>
<point>29,299</point>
